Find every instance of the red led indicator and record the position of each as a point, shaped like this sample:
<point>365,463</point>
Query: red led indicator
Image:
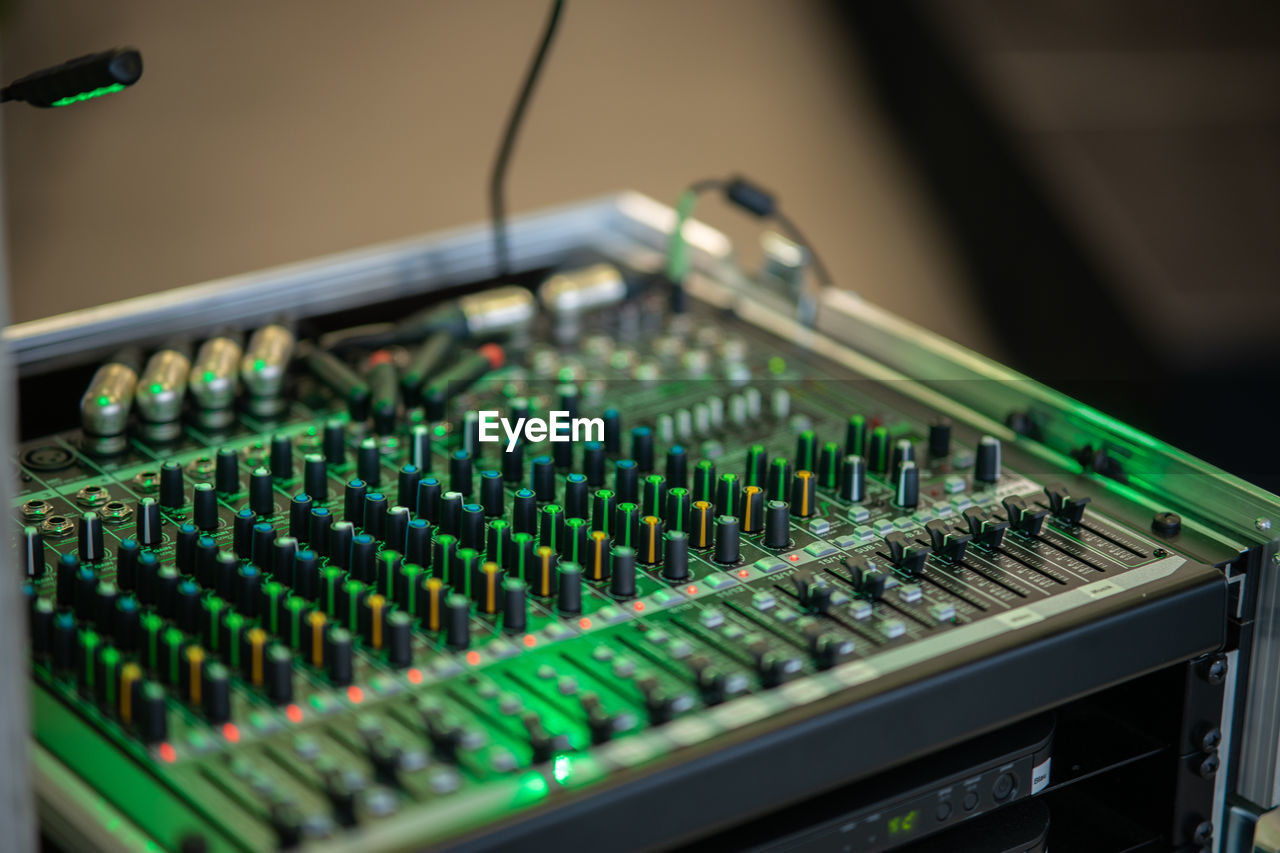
<point>691,589</point>
<point>355,694</point>
<point>584,623</point>
<point>415,676</point>
<point>795,558</point>
<point>743,573</point>
<point>294,713</point>
<point>530,640</point>
<point>230,732</point>
<point>638,606</point>
<point>473,658</point>
<point>168,753</point>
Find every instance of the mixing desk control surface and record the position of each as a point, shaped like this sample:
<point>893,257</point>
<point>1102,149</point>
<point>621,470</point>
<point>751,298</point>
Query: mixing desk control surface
<point>301,615</point>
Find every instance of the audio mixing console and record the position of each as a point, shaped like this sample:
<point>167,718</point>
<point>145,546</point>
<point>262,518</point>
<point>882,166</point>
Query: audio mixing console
<point>281,594</point>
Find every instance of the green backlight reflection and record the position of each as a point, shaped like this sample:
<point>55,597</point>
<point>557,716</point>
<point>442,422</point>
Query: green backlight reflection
<point>88,96</point>
<point>533,787</point>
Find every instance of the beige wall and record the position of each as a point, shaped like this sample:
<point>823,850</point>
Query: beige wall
<point>266,132</point>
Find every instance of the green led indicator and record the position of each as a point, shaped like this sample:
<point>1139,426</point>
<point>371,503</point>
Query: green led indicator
<point>156,387</point>
<point>259,364</point>
<point>533,787</point>
<point>88,96</point>
<point>777,365</point>
<point>104,400</point>
<point>209,376</point>
<point>561,768</point>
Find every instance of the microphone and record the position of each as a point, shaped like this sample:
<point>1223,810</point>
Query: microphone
<point>76,80</point>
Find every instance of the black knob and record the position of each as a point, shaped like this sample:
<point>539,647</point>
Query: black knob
<point>184,548</point>
<point>216,693</point>
<point>315,478</point>
<point>147,516</point>
<point>986,463</point>
<point>451,513</point>
<point>642,448</point>
<point>903,451</point>
<point>306,574</point>
<point>513,462</point>
<point>226,471</point>
<point>341,535</point>
<point>204,506</point>
<point>677,466</point>
<point>321,520</point>
<point>700,524</point>
<point>650,540</point>
<point>623,568</point>
<point>728,549</point>
<point>542,480</point>
<point>853,479</point>
<point>353,501</point>
<point>127,564</point>
<point>626,523</point>
<point>460,473</point>
<point>756,473</point>
<point>878,450</point>
<point>604,510</point>
<point>261,492</point>
<point>281,457</point>
<point>171,486</point>
<point>569,600</point>
<point>675,565</point>
<point>593,457</point>
<point>829,465</point>
<point>855,436</point>
<point>653,494</point>
<point>284,552</point>
<point>334,443</point>
<point>430,490</point>
<point>369,462</point>
<point>806,450</point>
<point>399,639</point>
<point>337,651</point>
<point>906,491</point>
<point>457,621</point>
<point>728,494</point>
<point>576,494</point>
<point>551,530</point>
<point>420,447</point>
<point>524,512</point>
<point>612,431</point>
<point>940,439</point>
<point>89,537</point>
<point>375,514</point>
<point>151,714</point>
<point>492,495</point>
<point>363,550</point>
<point>300,517</point>
<point>33,556</point>
<point>264,539</point>
<point>396,527</point>
<point>626,480</point>
<point>777,525</point>
<point>704,481</point>
<point>515,605</point>
<point>752,509</point>
<point>804,494</point>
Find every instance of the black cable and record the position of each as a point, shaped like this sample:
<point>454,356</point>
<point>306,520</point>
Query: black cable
<point>794,234</point>
<point>497,179</point>
<point>748,196</point>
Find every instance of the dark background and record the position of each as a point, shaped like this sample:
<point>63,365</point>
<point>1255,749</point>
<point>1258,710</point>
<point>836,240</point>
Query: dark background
<point>1087,191</point>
